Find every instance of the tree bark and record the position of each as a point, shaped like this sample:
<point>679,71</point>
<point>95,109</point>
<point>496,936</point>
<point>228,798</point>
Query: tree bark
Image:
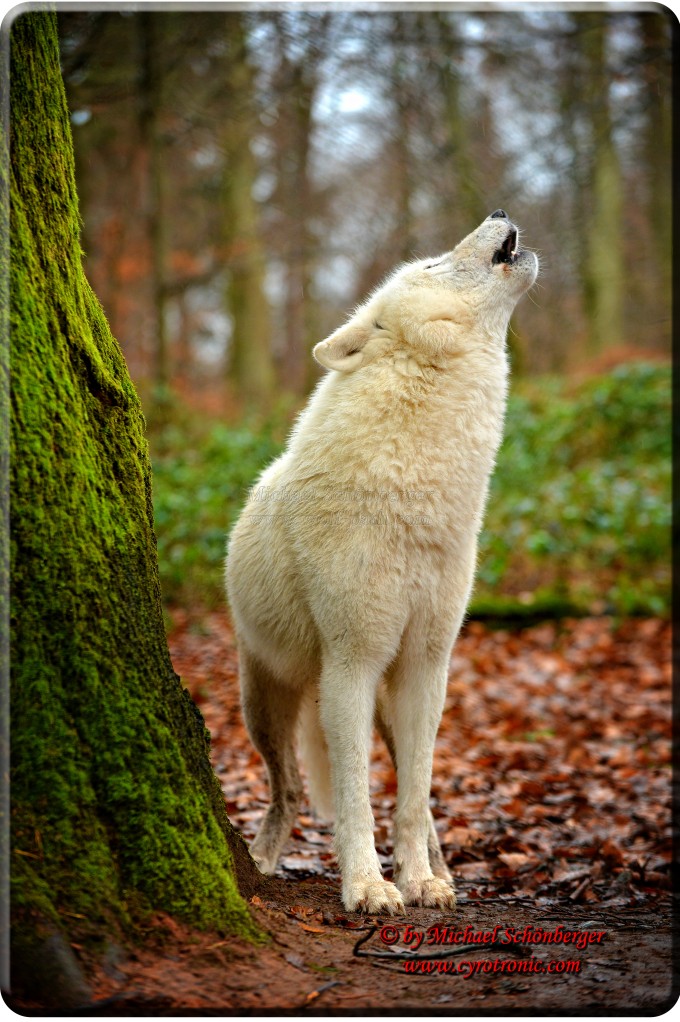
<point>251,366</point>
<point>115,809</point>
<point>603,268</point>
<point>299,85</point>
<point>150,103</point>
<point>655,36</point>
<point>459,132</point>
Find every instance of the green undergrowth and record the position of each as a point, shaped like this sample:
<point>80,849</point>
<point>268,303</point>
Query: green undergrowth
<point>202,472</point>
<point>578,518</point>
<point>580,503</point>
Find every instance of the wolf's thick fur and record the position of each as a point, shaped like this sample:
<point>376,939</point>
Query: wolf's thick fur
<point>351,565</point>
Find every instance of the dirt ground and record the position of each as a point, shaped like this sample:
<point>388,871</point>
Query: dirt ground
<point>551,793</point>
<point>309,967</point>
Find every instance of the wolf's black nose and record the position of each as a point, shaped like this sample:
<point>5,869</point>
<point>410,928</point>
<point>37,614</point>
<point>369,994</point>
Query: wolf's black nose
<point>498,213</point>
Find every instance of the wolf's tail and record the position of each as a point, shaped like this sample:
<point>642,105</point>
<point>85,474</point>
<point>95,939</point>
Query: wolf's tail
<point>314,754</point>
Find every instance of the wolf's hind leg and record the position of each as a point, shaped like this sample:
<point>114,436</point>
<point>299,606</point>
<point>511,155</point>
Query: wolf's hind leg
<point>434,851</point>
<point>270,710</point>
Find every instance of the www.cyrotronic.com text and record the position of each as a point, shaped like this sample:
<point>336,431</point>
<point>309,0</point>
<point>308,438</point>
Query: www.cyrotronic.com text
<point>468,969</point>
<point>438,937</point>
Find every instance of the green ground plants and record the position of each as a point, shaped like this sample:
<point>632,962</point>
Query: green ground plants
<point>580,504</point>
<point>578,517</point>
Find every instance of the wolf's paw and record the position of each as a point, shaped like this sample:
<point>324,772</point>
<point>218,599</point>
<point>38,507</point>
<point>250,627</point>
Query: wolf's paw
<point>430,893</point>
<point>265,861</point>
<point>374,897</point>
<point>442,871</point>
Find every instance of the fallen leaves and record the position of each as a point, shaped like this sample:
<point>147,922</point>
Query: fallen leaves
<point>551,771</point>
<point>551,794</point>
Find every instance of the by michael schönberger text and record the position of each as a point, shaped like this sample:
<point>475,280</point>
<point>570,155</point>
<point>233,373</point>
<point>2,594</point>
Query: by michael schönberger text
<point>439,935</point>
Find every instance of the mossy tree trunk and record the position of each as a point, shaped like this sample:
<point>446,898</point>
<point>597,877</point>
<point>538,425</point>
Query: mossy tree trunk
<point>115,809</point>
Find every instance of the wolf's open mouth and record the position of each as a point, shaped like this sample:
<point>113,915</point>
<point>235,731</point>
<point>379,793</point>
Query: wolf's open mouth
<point>507,253</point>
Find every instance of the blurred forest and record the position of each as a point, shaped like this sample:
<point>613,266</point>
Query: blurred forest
<point>246,176</point>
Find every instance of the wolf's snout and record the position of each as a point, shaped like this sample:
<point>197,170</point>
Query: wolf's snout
<point>507,253</point>
<point>498,214</point>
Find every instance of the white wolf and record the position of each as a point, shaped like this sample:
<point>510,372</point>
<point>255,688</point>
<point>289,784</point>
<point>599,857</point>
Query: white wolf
<point>350,568</point>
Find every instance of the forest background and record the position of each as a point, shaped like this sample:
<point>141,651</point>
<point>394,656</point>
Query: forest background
<point>245,178</point>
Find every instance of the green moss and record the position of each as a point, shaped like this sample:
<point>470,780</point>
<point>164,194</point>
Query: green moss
<point>114,804</point>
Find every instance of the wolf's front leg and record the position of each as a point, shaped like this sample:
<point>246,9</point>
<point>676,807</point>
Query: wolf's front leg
<point>416,700</point>
<point>347,697</point>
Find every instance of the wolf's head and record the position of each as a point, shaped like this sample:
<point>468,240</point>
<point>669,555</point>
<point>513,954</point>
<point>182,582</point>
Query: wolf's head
<point>432,307</point>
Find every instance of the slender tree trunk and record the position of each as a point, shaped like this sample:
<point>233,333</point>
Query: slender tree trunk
<point>604,257</point>
<point>402,243</point>
<point>469,203</point>
<point>250,364</point>
<point>655,36</point>
<point>150,106</point>
<point>296,196</point>
<point>115,809</point>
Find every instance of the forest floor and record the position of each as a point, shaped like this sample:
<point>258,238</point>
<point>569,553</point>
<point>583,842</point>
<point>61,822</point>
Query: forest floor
<point>552,797</point>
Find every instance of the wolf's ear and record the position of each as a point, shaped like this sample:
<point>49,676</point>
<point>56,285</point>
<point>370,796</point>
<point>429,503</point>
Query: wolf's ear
<point>344,349</point>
